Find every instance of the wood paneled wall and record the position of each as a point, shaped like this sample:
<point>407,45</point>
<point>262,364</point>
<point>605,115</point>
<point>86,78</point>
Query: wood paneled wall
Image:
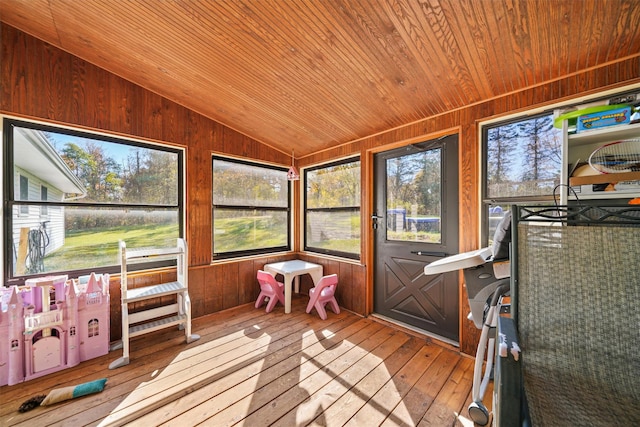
<point>465,122</point>
<point>44,83</point>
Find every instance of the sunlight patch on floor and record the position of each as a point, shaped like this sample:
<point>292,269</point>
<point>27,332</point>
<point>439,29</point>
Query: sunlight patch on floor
<point>168,383</point>
<point>326,333</point>
<point>464,421</point>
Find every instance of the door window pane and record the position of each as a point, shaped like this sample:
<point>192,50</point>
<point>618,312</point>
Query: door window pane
<point>413,198</point>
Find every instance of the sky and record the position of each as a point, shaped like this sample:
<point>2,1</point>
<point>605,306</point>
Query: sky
<point>117,152</point>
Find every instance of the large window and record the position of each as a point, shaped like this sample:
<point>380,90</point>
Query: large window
<point>332,209</point>
<point>522,163</point>
<point>71,196</point>
<point>251,208</point>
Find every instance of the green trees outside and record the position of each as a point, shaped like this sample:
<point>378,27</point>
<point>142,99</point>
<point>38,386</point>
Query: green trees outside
<point>414,199</point>
<point>131,193</point>
<point>150,177</point>
<point>332,222</point>
<point>238,184</point>
<point>523,158</point>
<point>100,174</point>
<point>502,143</point>
<point>250,207</point>
<point>334,187</point>
<point>144,177</point>
<point>413,183</point>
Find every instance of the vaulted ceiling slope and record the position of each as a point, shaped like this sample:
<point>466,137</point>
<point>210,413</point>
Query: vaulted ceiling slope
<point>313,74</point>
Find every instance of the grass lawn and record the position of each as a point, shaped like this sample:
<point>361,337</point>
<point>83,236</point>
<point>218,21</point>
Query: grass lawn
<point>342,245</point>
<point>246,233</point>
<point>415,236</point>
<point>99,247</point>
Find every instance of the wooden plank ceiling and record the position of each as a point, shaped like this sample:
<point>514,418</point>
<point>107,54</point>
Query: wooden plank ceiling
<point>310,75</point>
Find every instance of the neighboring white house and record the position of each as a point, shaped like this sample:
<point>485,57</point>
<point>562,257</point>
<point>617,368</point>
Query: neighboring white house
<point>39,174</point>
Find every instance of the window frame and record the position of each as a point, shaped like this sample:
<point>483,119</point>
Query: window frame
<point>7,126</point>
<point>358,209</point>
<point>258,251</point>
<point>485,132</point>
<point>487,201</point>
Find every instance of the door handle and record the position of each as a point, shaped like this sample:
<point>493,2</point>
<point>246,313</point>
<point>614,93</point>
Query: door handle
<point>375,219</point>
<point>429,253</point>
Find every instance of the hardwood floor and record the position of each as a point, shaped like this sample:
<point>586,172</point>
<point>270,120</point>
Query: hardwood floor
<point>256,369</point>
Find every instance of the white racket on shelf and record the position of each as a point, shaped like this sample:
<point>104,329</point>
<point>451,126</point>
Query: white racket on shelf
<point>616,157</point>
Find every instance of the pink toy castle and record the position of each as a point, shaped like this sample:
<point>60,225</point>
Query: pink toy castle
<point>51,324</point>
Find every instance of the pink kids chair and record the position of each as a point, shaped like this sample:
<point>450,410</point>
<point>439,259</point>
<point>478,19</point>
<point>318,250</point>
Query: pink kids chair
<point>324,293</point>
<point>270,289</point>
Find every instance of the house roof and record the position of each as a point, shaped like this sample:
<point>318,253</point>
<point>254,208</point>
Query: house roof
<point>33,153</point>
<point>311,75</point>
